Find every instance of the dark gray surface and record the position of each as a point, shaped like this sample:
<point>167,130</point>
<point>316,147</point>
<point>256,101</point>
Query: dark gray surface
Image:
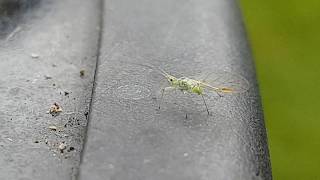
<point>12,12</point>
<point>64,34</point>
<point>128,138</point>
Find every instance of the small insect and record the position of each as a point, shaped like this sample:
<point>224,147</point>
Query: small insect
<point>220,83</point>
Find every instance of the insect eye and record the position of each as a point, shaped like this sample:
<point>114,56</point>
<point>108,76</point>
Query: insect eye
<point>171,80</point>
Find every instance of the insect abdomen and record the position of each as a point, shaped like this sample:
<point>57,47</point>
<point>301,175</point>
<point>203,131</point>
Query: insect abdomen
<point>197,89</point>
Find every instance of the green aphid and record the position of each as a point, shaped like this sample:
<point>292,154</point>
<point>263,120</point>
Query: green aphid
<point>189,85</point>
<point>219,83</point>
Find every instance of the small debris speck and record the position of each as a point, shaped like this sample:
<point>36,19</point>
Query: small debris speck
<point>82,73</point>
<point>34,55</point>
<point>62,147</point>
<point>71,149</point>
<point>66,93</point>
<point>36,141</point>
<point>55,109</point>
<point>47,77</point>
<point>53,128</point>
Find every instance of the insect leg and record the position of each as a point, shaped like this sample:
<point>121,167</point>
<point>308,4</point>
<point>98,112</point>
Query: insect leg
<point>220,95</point>
<point>205,104</point>
<point>162,93</point>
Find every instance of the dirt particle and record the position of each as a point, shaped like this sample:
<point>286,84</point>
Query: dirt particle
<point>86,114</point>
<point>47,77</point>
<point>82,73</point>
<point>62,147</point>
<point>55,109</point>
<point>66,93</point>
<point>36,141</point>
<point>34,55</point>
<point>53,128</point>
<point>70,149</point>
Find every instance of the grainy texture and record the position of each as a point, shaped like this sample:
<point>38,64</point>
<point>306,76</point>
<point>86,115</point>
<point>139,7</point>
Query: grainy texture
<point>129,138</point>
<point>43,46</point>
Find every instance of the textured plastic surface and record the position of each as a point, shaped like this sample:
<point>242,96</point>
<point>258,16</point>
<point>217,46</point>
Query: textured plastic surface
<point>45,44</point>
<point>129,138</point>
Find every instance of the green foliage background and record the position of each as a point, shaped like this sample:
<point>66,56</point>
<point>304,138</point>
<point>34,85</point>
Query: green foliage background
<point>285,39</point>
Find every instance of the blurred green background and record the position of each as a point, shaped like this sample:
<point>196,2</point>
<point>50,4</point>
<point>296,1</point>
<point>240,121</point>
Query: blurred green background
<point>285,40</point>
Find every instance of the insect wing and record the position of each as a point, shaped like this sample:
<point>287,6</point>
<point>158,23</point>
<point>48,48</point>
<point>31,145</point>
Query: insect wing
<point>224,82</point>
